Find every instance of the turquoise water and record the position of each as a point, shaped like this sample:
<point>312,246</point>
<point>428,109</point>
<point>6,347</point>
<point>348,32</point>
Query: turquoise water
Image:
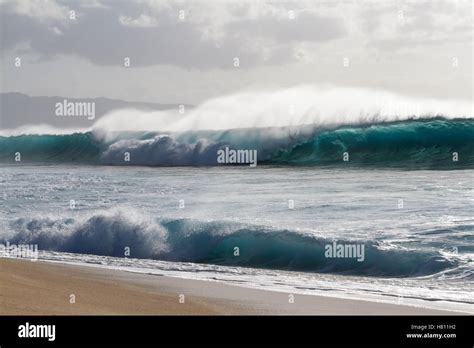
<point>416,227</point>
<point>413,144</point>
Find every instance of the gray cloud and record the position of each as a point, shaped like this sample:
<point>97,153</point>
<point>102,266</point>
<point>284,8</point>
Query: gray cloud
<point>191,61</point>
<point>305,27</point>
<point>106,35</point>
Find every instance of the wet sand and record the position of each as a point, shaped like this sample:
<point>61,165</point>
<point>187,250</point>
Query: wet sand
<point>42,288</point>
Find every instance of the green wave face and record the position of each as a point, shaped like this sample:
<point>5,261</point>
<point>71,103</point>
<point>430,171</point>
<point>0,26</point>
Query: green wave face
<point>415,144</point>
<point>436,144</point>
<point>78,148</point>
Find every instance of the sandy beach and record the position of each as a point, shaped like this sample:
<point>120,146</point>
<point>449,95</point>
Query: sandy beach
<point>40,288</point>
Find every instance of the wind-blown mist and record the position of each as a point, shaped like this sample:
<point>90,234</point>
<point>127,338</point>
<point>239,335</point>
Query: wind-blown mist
<point>303,105</point>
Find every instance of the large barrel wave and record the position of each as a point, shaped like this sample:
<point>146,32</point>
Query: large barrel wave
<point>412,144</point>
<point>420,144</point>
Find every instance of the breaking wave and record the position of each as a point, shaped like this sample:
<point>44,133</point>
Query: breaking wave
<point>188,240</point>
<point>436,143</point>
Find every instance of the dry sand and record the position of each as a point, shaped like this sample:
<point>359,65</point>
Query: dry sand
<point>41,288</point>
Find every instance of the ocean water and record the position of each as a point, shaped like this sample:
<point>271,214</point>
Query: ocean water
<point>428,143</point>
<point>416,226</point>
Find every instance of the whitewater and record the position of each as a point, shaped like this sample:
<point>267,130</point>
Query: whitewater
<point>403,195</point>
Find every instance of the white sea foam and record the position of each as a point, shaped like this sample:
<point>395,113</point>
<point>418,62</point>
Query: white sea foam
<point>295,106</point>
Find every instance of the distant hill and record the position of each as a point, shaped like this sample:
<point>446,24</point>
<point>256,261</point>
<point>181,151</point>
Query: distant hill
<point>17,109</point>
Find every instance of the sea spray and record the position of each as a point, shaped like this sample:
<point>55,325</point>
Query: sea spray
<point>415,144</point>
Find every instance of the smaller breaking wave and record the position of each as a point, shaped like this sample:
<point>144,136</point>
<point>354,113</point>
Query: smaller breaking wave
<point>186,240</point>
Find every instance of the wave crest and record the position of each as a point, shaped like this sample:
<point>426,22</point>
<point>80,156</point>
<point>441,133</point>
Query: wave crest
<point>414,144</point>
<point>188,240</point>
<point>161,150</point>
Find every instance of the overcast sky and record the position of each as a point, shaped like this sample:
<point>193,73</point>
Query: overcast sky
<point>184,51</point>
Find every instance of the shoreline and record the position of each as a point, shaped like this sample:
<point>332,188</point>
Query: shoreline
<point>44,288</point>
